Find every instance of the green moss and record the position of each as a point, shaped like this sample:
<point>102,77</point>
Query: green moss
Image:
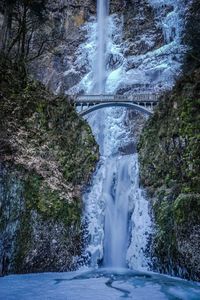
<point>48,203</point>
<point>169,155</point>
<point>163,212</point>
<point>31,190</point>
<point>165,243</point>
<point>48,121</point>
<point>186,209</point>
<point>23,242</point>
<point>52,150</point>
<point>175,155</point>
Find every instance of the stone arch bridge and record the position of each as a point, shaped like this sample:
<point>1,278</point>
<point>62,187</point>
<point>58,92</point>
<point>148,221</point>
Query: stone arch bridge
<point>144,103</point>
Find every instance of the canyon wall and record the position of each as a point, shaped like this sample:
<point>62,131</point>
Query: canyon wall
<point>169,159</point>
<point>47,155</point>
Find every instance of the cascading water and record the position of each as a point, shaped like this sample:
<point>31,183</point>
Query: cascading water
<point>114,195</point>
<point>116,218</point>
<point>100,71</point>
<point>116,209</point>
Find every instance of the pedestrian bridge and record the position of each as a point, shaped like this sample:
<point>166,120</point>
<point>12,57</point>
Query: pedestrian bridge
<point>144,103</point>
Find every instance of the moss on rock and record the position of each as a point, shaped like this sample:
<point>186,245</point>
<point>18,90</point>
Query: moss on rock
<point>49,153</point>
<point>169,151</point>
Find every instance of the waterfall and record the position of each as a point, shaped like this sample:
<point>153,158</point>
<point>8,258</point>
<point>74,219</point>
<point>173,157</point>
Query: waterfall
<point>102,26</point>
<point>116,188</point>
<point>116,209</point>
<point>114,196</point>
<point>114,205</point>
<point>153,70</point>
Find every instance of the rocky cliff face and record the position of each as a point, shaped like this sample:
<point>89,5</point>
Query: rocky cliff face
<point>47,154</point>
<point>134,29</point>
<point>57,68</point>
<point>169,159</point>
<point>145,53</point>
<point>144,50</point>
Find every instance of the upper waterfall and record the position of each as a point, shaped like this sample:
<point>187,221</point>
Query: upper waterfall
<point>102,32</point>
<point>117,59</point>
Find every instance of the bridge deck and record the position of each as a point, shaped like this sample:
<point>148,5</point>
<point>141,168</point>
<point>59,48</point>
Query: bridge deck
<point>142,102</point>
<point>117,98</point>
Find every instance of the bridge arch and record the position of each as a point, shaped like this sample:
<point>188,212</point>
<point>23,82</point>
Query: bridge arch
<point>134,106</point>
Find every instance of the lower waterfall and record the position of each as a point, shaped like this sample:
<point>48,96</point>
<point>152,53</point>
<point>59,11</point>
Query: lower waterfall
<point>116,210</point>
<point>116,194</point>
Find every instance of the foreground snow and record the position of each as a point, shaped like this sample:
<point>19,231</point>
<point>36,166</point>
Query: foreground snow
<point>102,284</point>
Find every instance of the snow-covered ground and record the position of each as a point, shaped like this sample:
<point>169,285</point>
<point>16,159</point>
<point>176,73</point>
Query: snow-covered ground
<point>97,285</point>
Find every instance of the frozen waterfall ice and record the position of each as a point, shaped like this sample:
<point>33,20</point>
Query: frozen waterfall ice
<point>155,69</point>
<point>116,209</point>
<point>114,195</point>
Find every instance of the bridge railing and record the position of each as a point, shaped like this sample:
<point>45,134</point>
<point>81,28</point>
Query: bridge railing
<point>98,98</point>
<point>118,98</point>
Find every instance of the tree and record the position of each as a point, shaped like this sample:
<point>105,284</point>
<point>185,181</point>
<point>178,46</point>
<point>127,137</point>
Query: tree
<point>22,27</point>
<point>7,9</point>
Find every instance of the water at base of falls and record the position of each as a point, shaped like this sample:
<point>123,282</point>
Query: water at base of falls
<point>103,284</point>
